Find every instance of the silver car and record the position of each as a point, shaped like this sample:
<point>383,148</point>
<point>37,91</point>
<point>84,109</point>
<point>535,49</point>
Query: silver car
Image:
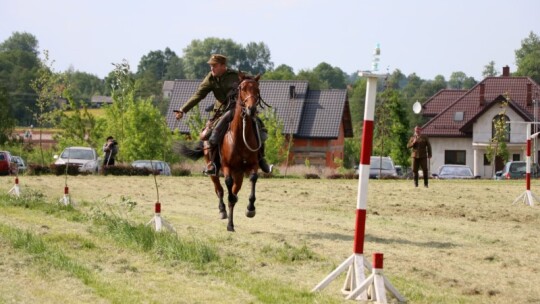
<point>454,172</point>
<point>85,158</point>
<point>20,163</point>
<point>382,167</point>
<point>156,165</point>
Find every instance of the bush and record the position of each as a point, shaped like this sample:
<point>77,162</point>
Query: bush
<point>34,169</point>
<point>61,169</point>
<point>311,176</point>
<point>127,170</point>
<point>176,171</point>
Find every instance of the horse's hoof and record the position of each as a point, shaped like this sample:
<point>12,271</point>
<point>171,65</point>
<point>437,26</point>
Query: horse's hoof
<point>223,215</point>
<point>250,213</point>
<point>230,229</point>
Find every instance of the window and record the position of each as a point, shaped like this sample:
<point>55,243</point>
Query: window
<point>516,157</point>
<point>458,116</point>
<point>454,157</point>
<point>500,121</point>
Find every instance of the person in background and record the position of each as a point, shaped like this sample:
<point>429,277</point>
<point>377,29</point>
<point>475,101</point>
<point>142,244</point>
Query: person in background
<point>421,154</point>
<point>110,149</point>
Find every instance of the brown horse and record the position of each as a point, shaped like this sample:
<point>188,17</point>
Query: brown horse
<point>238,150</point>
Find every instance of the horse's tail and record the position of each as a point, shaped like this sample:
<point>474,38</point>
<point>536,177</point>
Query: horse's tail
<point>192,153</point>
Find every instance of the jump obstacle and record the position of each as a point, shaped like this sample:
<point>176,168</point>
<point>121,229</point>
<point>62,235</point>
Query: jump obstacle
<point>356,282</point>
<point>158,221</point>
<point>15,190</point>
<point>528,197</point>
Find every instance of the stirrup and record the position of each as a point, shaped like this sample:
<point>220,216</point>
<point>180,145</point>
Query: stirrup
<point>210,169</point>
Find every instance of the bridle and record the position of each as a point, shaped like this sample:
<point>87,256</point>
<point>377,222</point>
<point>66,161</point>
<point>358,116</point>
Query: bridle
<point>245,113</point>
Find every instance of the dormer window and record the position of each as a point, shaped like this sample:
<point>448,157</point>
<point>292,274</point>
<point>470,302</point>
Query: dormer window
<point>458,116</point>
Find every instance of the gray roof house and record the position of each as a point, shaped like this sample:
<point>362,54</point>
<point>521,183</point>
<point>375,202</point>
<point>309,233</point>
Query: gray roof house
<point>318,120</point>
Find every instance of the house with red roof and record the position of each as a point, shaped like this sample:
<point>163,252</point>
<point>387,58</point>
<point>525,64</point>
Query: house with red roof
<point>461,122</point>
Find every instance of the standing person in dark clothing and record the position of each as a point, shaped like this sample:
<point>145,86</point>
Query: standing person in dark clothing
<point>110,149</point>
<point>223,83</point>
<point>421,153</point>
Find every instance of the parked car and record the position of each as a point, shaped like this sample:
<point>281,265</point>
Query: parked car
<point>516,169</point>
<point>7,164</point>
<point>158,165</point>
<point>454,172</point>
<point>20,163</point>
<point>85,158</point>
<point>382,167</point>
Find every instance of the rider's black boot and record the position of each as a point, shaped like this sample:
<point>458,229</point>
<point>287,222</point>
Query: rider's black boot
<point>211,165</point>
<point>262,162</point>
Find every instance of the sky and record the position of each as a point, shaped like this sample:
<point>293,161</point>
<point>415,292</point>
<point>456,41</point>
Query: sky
<point>426,37</point>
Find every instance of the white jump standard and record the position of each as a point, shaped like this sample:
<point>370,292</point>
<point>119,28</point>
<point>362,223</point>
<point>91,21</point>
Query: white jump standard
<point>15,190</point>
<point>356,280</point>
<point>158,221</point>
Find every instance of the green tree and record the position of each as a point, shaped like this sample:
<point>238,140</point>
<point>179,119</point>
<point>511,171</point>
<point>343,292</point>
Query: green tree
<point>256,59</point>
<point>331,77</point>
<point>196,55</point>
<point>528,57</point>
<point>253,59</point>
<point>7,123</point>
<point>275,144</point>
<point>78,128</point>
<point>137,124</point>
<point>19,64</point>
<point>48,87</point>
<point>490,70</point>
<point>497,145</point>
<point>459,80</point>
<point>83,86</point>
<point>282,72</point>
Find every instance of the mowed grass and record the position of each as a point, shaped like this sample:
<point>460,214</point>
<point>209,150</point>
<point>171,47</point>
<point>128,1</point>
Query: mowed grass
<point>455,242</point>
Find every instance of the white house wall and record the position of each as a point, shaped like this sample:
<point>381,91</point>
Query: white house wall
<point>440,144</point>
<point>482,127</point>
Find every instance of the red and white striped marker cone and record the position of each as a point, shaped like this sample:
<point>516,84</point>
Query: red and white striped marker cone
<point>66,200</point>
<point>378,284</point>
<point>356,262</point>
<point>158,221</point>
<point>15,190</point>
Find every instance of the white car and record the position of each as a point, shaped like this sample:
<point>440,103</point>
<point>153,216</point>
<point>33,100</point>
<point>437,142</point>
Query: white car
<point>83,157</point>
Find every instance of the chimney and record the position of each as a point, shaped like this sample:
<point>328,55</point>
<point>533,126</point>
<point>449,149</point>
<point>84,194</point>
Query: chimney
<point>292,92</point>
<point>482,92</point>
<point>506,71</point>
<point>529,94</point>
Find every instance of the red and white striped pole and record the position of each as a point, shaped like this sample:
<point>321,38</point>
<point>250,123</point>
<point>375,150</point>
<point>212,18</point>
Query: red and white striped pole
<point>528,197</point>
<point>356,262</point>
<point>528,168</point>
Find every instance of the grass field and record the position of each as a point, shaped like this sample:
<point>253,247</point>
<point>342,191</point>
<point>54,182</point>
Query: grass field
<point>456,242</point>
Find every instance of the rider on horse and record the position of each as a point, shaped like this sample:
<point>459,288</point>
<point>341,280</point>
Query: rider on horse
<point>223,82</point>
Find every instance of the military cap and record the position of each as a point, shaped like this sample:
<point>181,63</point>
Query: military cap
<point>217,58</point>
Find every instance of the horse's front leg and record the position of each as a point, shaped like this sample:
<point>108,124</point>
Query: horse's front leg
<point>250,211</point>
<point>219,192</point>
<point>232,198</point>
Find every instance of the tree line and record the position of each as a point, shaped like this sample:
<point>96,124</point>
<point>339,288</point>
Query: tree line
<point>20,66</point>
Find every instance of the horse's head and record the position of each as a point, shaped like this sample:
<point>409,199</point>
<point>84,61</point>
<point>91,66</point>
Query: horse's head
<point>248,93</point>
